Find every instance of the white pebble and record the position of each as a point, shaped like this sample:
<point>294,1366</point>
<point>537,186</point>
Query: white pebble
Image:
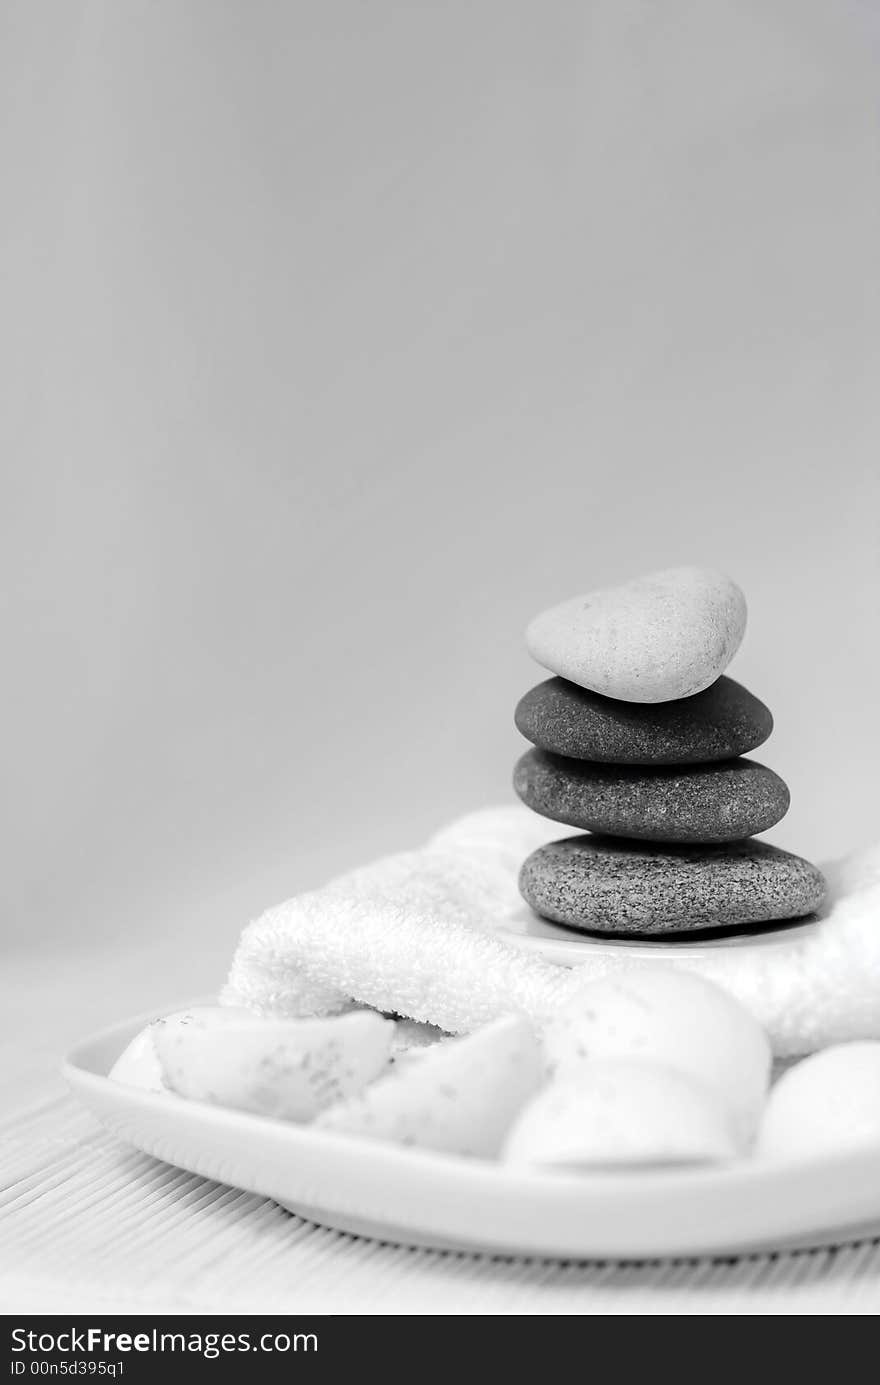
<point>618,1112</point>
<point>824,1104</point>
<point>658,638</point>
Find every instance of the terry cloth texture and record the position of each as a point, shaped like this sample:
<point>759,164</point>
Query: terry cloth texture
<point>421,933</point>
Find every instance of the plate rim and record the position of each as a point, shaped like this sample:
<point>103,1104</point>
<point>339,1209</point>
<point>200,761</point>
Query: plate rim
<point>547,1190</point>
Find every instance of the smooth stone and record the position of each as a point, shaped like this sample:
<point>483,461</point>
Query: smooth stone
<point>719,723</point>
<point>664,636</point>
<point>686,803</point>
<point>607,885</point>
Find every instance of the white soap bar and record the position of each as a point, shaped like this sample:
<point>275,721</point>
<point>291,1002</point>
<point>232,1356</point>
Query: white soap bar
<point>828,1102</point>
<point>290,1069</point>
<point>459,1096</point>
<point>138,1065</point>
<point>675,1018</point>
<point>619,1112</point>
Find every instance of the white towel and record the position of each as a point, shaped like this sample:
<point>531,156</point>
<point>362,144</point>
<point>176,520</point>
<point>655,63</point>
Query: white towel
<point>418,933</point>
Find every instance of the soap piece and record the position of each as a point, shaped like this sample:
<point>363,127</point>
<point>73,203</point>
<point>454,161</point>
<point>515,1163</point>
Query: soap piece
<point>675,1018</point>
<point>660,637</point>
<point>687,803</point>
<point>138,1065</point>
<point>723,721</point>
<point>290,1069</point>
<point>827,1103</point>
<point>460,1096</point>
<point>612,885</point>
<point>620,1112</point>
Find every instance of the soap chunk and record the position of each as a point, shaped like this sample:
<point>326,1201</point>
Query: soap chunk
<point>678,1019</point>
<point>461,1096</point>
<point>620,1112</point>
<point>825,1104</point>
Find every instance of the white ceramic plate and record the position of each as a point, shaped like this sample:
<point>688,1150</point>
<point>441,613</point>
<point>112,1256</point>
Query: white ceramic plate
<point>567,948</point>
<point>425,1199</point>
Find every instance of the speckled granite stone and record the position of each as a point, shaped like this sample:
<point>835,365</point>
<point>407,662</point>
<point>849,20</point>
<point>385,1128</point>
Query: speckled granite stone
<point>723,721</point>
<point>688,803</point>
<point>608,885</point>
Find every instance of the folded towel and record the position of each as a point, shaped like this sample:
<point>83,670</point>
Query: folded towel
<point>417,933</point>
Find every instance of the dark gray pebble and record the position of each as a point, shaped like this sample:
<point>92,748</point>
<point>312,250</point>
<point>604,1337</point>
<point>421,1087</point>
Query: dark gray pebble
<point>723,721</point>
<point>688,803</point>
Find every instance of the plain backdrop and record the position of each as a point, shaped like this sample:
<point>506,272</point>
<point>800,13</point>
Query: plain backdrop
<point>341,338</point>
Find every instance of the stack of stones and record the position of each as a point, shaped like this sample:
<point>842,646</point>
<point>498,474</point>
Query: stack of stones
<point>639,742</point>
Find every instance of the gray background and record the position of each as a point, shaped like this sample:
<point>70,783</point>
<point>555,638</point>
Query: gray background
<point>341,338</point>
